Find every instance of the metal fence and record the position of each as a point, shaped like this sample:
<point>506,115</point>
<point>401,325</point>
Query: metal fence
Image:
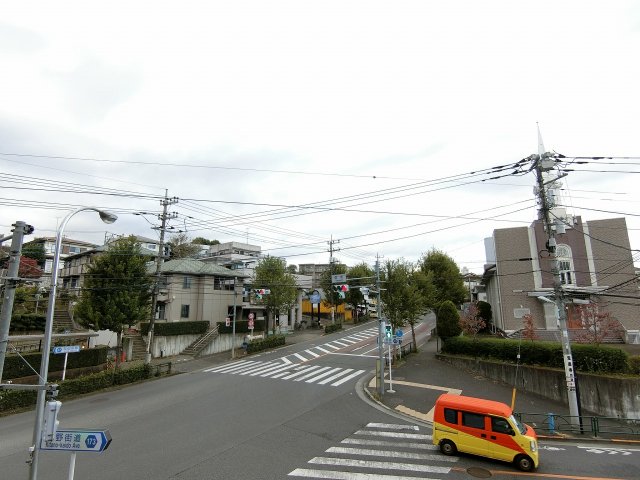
<point>554,424</point>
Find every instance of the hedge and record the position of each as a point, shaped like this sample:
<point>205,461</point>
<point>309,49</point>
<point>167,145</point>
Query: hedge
<point>586,358</point>
<point>15,367</point>
<point>242,326</point>
<point>169,329</point>
<point>27,322</point>
<point>269,342</point>
<point>14,399</point>
<point>332,328</point>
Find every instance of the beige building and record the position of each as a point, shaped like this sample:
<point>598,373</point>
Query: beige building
<point>596,265</point>
<point>195,290</point>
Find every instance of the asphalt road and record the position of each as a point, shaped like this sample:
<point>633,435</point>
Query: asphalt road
<point>293,413</point>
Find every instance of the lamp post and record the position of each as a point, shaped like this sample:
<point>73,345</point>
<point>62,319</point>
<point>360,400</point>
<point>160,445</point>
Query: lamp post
<point>106,217</point>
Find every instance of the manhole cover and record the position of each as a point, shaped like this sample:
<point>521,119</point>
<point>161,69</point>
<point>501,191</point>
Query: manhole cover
<point>479,472</point>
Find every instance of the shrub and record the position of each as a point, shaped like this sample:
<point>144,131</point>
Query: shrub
<point>242,326</point>
<point>16,367</point>
<point>586,358</point>
<point>14,399</point>
<point>169,329</point>
<point>448,320</point>
<point>332,328</point>
<point>28,322</point>
<point>269,342</point>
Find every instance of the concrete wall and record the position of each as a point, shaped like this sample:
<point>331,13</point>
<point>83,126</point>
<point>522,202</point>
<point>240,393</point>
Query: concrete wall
<point>601,395</point>
<point>167,346</point>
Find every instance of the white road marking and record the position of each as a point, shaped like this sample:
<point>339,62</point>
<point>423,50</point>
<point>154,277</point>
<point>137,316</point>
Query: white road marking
<point>391,453</point>
<point>346,379</point>
<point>348,462</point>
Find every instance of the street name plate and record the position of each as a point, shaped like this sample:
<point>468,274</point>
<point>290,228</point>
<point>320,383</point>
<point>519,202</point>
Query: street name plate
<point>79,440</point>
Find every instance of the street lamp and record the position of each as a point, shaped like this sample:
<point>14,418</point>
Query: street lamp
<point>106,217</point>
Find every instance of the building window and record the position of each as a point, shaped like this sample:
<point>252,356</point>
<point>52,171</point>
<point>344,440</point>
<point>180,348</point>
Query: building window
<point>184,311</point>
<point>152,246</point>
<point>565,265</point>
<point>161,311</point>
<point>74,249</point>
<point>186,282</point>
<point>218,283</point>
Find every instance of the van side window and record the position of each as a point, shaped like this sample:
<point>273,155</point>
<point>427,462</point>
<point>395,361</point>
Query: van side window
<point>473,420</point>
<point>500,425</point>
<point>450,416</point>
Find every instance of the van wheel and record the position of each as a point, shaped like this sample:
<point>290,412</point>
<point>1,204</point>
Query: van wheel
<point>524,463</point>
<point>448,447</point>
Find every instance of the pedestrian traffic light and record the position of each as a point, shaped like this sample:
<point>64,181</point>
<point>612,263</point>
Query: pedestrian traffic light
<point>51,410</point>
<point>388,331</point>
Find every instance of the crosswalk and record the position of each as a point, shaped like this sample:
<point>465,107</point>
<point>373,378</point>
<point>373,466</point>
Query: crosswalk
<point>380,451</point>
<point>330,347</point>
<point>317,374</point>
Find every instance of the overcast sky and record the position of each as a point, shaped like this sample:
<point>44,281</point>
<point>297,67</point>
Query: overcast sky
<point>289,123</point>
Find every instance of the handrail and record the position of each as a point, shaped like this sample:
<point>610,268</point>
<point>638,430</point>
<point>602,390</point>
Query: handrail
<point>555,424</point>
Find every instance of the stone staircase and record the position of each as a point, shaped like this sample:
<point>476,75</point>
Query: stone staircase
<point>202,342</point>
<point>139,349</point>
<point>62,320</point>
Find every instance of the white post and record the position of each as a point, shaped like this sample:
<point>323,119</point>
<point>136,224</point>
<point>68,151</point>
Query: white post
<point>64,369</point>
<point>72,466</point>
<point>391,390</point>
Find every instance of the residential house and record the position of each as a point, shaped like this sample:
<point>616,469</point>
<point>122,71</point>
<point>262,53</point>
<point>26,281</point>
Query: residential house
<point>596,266</point>
<point>69,247</point>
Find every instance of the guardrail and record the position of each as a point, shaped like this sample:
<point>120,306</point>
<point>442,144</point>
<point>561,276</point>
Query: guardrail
<point>554,424</point>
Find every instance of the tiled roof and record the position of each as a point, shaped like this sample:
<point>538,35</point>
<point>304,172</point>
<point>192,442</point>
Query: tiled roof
<point>195,267</point>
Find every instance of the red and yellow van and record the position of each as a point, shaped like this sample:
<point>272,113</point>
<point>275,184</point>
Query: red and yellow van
<point>483,427</point>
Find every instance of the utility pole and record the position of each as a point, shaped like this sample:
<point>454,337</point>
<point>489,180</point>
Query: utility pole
<point>544,162</point>
<point>331,272</point>
<point>380,331</point>
<point>11,282</point>
<point>165,202</point>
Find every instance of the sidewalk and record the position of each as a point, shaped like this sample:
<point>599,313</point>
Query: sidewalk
<point>421,378</point>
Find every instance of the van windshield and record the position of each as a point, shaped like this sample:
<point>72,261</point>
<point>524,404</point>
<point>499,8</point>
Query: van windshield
<point>521,428</point>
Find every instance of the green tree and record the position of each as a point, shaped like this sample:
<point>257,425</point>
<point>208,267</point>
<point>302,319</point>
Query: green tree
<point>359,276</point>
<point>36,251</point>
<point>292,269</point>
<point>448,320</point>
<point>445,275</point>
<point>182,246</point>
<point>402,297</point>
<point>117,290</point>
<point>204,241</point>
<point>332,297</point>
<point>271,273</point>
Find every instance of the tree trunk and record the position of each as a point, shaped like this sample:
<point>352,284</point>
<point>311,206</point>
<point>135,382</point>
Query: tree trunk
<point>413,337</point>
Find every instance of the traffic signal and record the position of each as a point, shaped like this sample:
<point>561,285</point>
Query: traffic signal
<point>51,422</point>
<point>388,333</point>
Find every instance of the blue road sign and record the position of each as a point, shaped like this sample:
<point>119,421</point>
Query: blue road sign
<point>79,440</point>
<point>399,333</point>
<point>67,349</point>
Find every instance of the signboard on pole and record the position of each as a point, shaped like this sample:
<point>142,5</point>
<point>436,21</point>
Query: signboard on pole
<point>339,278</point>
<point>67,349</point>
<point>79,440</point>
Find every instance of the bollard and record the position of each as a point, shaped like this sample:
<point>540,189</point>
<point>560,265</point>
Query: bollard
<point>552,423</point>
